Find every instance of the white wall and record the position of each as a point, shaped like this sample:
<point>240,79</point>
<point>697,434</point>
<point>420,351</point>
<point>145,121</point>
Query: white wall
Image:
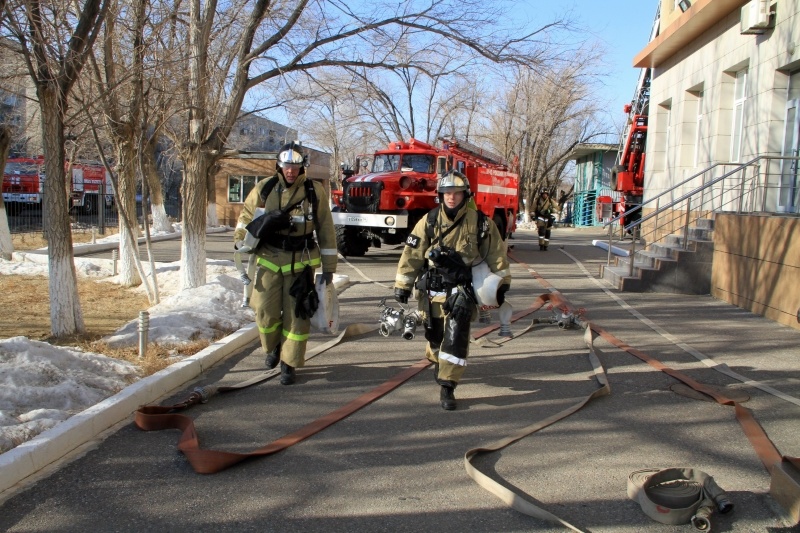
<point>707,66</point>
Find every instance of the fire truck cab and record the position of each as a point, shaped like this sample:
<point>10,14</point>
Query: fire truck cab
<point>383,205</point>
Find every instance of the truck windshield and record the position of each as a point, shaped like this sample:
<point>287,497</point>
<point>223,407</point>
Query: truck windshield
<point>419,163</point>
<point>20,168</point>
<point>386,162</point>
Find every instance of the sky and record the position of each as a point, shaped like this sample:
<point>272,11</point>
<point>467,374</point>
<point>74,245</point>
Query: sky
<point>623,27</point>
<point>42,385</point>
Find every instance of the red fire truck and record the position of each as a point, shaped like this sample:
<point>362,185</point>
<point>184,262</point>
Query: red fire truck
<point>382,206</point>
<point>23,185</point>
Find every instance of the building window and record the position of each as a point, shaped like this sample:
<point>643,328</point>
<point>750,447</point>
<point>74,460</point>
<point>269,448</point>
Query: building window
<point>663,134</point>
<point>698,137</point>
<point>240,186</point>
<point>739,98</point>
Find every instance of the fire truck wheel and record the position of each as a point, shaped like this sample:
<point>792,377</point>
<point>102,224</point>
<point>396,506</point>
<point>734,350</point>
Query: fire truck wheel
<point>88,205</point>
<point>350,242</point>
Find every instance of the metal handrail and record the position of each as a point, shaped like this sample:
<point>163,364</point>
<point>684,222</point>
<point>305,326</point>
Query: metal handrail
<point>746,186</point>
<point>658,196</point>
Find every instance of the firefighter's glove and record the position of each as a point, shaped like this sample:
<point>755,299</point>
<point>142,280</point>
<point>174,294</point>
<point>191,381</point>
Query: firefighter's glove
<point>238,235</point>
<point>327,277</point>
<point>401,295</point>
<point>458,306</point>
<point>305,295</point>
<point>501,293</point>
<point>269,223</point>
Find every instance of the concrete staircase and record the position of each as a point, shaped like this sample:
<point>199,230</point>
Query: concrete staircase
<point>666,266</point>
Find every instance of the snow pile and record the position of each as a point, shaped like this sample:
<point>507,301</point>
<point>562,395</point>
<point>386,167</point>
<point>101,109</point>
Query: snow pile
<point>42,385</point>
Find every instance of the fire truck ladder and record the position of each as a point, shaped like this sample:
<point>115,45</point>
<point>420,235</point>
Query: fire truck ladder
<point>474,150</point>
<point>641,98</point>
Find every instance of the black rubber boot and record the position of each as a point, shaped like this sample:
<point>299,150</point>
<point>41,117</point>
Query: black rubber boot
<point>448,398</point>
<point>273,357</point>
<point>287,374</point>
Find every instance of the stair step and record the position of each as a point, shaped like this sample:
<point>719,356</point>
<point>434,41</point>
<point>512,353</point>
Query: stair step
<point>667,266</point>
<point>646,259</point>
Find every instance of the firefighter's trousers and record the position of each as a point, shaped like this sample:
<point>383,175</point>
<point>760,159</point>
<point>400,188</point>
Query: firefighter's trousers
<point>544,234</point>
<point>274,307</point>
<point>451,366</point>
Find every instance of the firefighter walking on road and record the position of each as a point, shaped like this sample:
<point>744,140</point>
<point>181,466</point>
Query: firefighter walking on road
<point>544,214</point>
<point>438,259</point>
<point>284,298</point>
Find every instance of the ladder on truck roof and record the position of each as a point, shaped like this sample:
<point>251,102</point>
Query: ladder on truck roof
<point>640,102</point>
<point>473,150</point>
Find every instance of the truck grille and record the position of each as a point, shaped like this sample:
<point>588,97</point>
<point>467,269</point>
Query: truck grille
<point>362,197</point>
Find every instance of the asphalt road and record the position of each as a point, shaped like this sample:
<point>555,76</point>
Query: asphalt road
<point>218,246</point>
<point>398,464</point>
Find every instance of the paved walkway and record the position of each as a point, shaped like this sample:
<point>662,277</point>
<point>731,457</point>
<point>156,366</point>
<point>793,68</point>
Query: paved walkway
<point>398,464</point>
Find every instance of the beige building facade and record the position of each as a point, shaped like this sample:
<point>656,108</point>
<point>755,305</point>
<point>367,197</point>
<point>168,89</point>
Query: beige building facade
<point>725,91</point>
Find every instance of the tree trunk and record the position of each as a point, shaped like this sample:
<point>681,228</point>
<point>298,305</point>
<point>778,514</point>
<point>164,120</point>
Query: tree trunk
<point>66,316</point>
<point>211,216</point>
<point>128,243</point>
<point>161,222</point>
<point>6,244</point>
<point>193,243</point>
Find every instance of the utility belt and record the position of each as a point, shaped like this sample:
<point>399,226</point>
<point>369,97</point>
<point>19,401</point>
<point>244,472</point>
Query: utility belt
<point>433,281</point>
<point>290,243</point>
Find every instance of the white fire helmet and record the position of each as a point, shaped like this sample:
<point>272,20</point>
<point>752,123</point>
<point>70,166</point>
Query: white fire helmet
<point>485,283</point>
<point>453,181</point>
<point>290,154</point>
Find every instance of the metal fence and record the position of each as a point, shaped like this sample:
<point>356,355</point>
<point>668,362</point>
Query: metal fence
<point>32,219</point>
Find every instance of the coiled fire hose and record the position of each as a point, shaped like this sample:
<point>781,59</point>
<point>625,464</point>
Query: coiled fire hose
<point>678,496</point>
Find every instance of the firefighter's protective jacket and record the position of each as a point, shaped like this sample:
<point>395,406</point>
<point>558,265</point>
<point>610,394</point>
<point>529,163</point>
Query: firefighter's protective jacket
<point>303,224</point>
<point>545,207</point>
<point>464,239</point>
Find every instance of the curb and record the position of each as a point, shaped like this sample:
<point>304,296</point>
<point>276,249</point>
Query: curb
<point>49,446</point>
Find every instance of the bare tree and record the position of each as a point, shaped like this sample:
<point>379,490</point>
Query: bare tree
<point>56,39</point>
<point>6,244</point>
<point>274,41</point>
<point>543,116</point>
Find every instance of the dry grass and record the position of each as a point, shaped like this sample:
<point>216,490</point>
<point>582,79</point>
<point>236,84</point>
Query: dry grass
<point>35,240</point>
<point>106,308</point>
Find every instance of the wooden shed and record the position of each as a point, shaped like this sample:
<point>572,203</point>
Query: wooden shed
<point>238,174</point>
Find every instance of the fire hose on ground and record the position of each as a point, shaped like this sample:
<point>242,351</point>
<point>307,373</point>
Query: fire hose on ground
<point>210,461</point>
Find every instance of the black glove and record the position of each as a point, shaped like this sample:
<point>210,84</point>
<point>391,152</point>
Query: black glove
<point>328,277</point>
<point>306,299</point>
<point>501,293</point>
<point>458,306</point>
<point>269,223</point>
<point>401,295</point>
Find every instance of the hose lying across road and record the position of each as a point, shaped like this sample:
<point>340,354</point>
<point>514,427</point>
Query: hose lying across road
<point>204,461</point>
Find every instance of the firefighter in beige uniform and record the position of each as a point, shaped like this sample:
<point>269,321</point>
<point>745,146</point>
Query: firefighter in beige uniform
<point>545,209</point>
<point>438,260</point>
<point>282,255</point>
